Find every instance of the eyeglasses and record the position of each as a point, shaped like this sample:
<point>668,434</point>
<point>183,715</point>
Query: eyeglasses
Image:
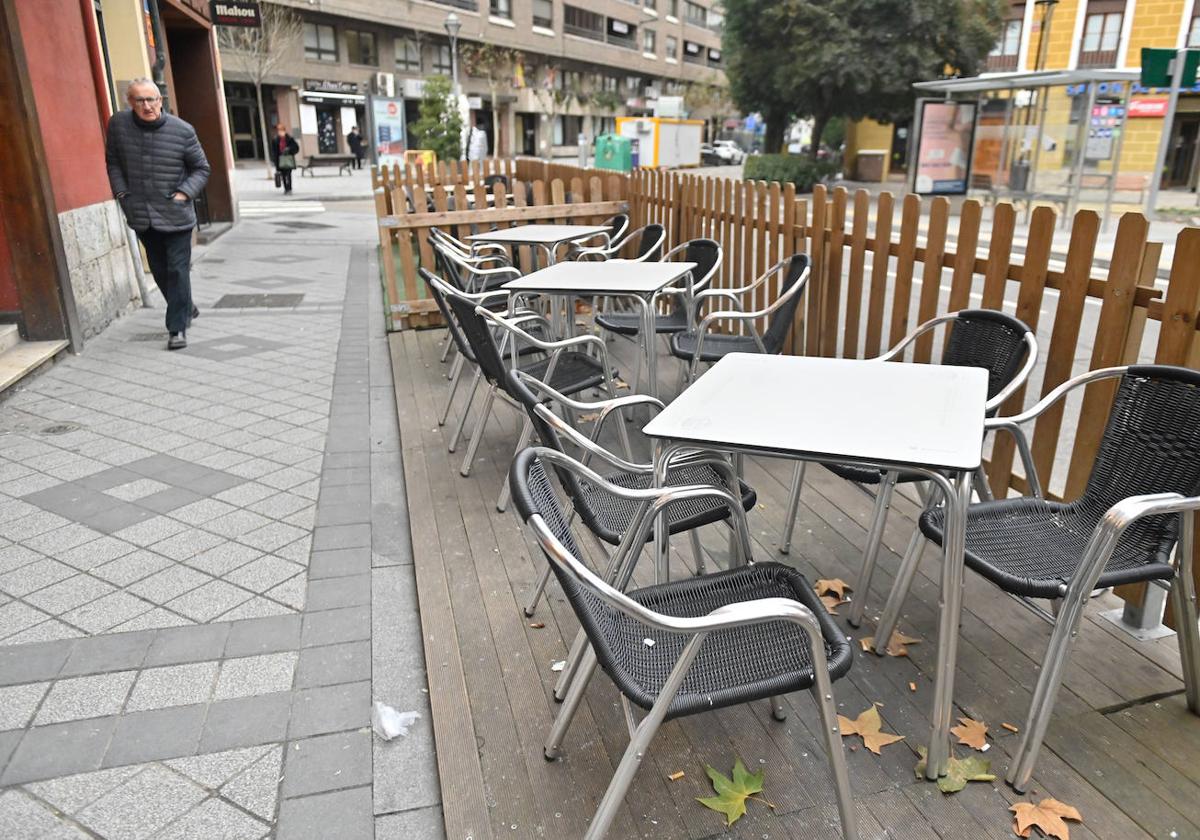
<point>146,100</point>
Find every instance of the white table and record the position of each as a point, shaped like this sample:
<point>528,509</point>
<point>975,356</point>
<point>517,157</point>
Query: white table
<point>925,418</point>
<point>547,237</point>
<point>641,281</point>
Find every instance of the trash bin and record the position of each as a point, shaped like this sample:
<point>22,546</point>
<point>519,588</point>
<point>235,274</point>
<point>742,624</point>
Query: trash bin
<point>614,152</point>
<point>1018,176</point>
<point>868,165</point>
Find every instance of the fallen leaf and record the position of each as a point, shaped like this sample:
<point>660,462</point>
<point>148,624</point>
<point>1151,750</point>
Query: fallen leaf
<point>831,603</point>
<point>971,733</point>
<point>676,776</point>
<point>912,686</point>
<point>590,417</point>
<point>1048,816</point>
<point>732,793</point>
<point>867,725</point>
<point>833,586</point>
<point>1010,727</point>
<point>620,384</point>
<point>897,645</point>
<point>537,625</point>
<point>959,771</point>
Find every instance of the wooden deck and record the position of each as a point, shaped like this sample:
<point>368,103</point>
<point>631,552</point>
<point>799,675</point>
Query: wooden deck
<point>1122,747</point>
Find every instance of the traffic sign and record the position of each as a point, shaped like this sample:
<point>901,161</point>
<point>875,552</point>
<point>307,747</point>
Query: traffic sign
<point>1156,67</point>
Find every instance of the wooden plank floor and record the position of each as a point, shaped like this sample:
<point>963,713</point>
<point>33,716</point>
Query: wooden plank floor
<point>1122,747</point>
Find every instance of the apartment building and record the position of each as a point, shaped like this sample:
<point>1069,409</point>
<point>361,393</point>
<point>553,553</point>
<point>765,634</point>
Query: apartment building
<point>583,63</point>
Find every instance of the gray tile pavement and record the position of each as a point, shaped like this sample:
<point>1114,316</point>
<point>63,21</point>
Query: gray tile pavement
<point>205,578</point>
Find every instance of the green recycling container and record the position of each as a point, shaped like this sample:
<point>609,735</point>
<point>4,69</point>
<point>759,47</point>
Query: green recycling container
<point>614,152</point>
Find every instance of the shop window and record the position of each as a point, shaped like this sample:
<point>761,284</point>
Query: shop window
<point>1102,33</point>
<point>408,55</point>
<point>501,9</point>
<point>360,48</point>
<point>320,42</point>
<point>441,60</point>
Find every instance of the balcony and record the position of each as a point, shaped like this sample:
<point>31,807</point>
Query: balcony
<point>1001,63</point>
<point>1098,58</point>
<point>584,32</point>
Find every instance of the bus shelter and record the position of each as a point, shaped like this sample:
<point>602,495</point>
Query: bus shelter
<point>1051,136</point>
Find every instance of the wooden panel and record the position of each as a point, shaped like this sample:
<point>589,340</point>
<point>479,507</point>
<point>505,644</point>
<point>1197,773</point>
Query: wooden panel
<point>854,282</point>
<point>884,212</point>
<point>1004,221</point>
<point>1115,314</point>
<point>931,275</point>
<point>816,286</point>
<point>905,257</point>
<point>830,322</point>
<point>511,214</point>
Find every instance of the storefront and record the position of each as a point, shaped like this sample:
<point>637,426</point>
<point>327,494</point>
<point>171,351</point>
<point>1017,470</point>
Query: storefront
<point>328,110</point>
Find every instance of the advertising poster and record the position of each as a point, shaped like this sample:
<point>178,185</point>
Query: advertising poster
<point>944,154</point>
<point>387,123</point>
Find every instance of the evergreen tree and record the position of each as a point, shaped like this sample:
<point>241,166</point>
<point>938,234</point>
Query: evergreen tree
<point>439,126</point>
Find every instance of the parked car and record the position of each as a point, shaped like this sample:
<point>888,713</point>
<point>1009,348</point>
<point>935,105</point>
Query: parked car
<point>709,156</point>
<point>729,151</point>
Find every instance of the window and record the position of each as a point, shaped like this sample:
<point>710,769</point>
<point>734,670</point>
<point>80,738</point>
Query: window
<point>693,52</point>
<point>408,55</point>
<point>633,84</point>
<point>1193,39</point>
<point>673,8</point>
<point>650,4</point>
<point>1010,39</point>
<point>648,40</point>
<point>715,20</point>
<point>1102,33</point>
<point>609,83</point>
<point>360,48</point>
<point>578,21</point>
<point>543,13</point>
<point>320,42</point>
<point>696,13</point>
<point>441,60</point>
<point>672,47</point>
<point>566,130</point>
<point>502,9</point>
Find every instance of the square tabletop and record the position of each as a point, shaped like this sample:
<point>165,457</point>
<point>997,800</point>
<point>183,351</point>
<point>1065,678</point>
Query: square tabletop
<point>539,234</point>
<point>878,412</point>
<point>611,276</point>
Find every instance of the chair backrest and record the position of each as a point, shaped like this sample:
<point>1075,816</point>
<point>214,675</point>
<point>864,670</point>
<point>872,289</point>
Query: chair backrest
<point>477,334</point>
<point>781,319</point>
<point>651,241</point>
<point>492,180</point>
<point>447,268</point>
<point>990,340</point>
<point>706,254</point>
<point>617,225</point>
<point>456,334</point>
<point>1151,444</point>
<point>533,494</point>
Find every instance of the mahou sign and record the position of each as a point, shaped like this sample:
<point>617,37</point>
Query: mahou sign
<point>236,13</point>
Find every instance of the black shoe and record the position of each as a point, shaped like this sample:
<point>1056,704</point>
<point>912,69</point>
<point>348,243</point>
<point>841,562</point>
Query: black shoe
<point>177,341</point>
<point>195,312</point>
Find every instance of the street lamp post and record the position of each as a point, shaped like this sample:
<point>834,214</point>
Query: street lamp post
<point>453,25</point>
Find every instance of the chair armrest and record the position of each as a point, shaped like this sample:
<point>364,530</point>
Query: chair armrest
<point>1061,391</point>
<point>1031,475</point>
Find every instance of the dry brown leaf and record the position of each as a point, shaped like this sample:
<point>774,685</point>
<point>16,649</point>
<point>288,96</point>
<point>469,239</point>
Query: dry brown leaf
<point>971,733</point>
<point>867,725</point>
<point>897,645</point>
<point>912,686</point>
<point>833,586</point>
<point>1010,727</point>
<point>831,603</point>
<point>676,776</point>
<point>537,625</point>
<point>590,417</point>
<point>1048,816</point>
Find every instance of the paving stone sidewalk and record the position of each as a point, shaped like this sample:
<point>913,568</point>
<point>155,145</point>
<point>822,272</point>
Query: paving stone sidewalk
<point>205,569</point>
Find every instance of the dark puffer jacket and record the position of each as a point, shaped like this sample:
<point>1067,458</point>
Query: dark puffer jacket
<point>148,163</point>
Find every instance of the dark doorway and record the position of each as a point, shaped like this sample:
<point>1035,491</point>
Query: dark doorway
<point>527,133</point>
<point>327,141</point>
<point>1181,161</point>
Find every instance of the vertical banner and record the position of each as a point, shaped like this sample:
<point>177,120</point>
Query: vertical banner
<point>946,135</point>
<point>390,139</point>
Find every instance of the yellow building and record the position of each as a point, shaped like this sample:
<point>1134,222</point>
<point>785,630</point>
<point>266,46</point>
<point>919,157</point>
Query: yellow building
<point>1081,34</point>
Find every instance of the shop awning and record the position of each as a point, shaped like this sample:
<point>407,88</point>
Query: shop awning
<point>1023,80</point>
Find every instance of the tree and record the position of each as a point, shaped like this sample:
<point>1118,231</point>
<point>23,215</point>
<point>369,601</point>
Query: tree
<point>555,97</point>
<point>439,124</point>
<point>257,52</point>
<point>848,58</point>
<point>496,65</point>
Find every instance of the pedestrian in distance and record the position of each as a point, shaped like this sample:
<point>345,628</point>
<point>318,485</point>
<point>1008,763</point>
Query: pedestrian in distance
<point>283,155</point>
<point>157,168</point>
<point>477,143</point>
<point>355,142</point>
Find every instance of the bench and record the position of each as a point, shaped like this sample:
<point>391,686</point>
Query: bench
<point>343,162</point>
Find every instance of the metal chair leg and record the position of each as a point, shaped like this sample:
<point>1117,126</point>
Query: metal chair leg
<point>982,487</point>
<point>822,693</point>
<point>1184,607</point>
<point>446,349</point>
<point>522,442</point>
<point>466,410</point>
<point>531,607</point>
<point>789,522</point>
<point>570,706</point>
<point>778,710</point>
<point>454,382</point>
<point>571,668</point>
<point>883,500</point>
<point>899,594</point>
<point>697,550</point>
<point>485,414</point>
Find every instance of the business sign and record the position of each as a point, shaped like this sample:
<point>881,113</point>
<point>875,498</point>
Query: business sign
<point>389,133</point>
<point>947,134</point>
<point>1148,107</point>
<point>330,86</point>
<point>235,13</point>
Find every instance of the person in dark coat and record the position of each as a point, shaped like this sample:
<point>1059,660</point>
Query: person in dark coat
<point>157,168</point>
<point>283,146</point>
<point>355,142</point>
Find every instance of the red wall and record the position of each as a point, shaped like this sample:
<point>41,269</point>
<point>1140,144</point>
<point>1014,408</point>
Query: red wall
<point>60,72</point>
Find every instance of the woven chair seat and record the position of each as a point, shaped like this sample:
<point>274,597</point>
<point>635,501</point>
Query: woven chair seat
<point>1032,547</point>
<point>612,516</point>
<point>574,372</point>
<point>734,666</point>
<point>630,323</point>
<point>716,346</point>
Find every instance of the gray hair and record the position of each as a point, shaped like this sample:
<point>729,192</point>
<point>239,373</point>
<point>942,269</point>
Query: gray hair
<point>139,81</point>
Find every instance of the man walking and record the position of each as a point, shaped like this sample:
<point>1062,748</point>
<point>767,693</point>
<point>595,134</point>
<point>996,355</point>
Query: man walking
<point>355,142</point>
<point>156,169</point>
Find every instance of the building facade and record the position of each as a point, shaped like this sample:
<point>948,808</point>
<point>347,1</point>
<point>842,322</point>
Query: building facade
<point>581,66</point>
<point>68,263</point>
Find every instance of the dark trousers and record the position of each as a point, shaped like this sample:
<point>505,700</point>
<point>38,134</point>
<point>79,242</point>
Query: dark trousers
<point>170,258</point>
<point>358,159</point>
<point>285,177</point>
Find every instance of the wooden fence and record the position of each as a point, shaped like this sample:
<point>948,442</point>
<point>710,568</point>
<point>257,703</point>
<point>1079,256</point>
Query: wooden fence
<point>875,277</point>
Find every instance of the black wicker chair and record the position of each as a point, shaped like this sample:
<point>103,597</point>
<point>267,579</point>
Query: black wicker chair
<point>754,632</point>
<point>982,338</point>
<point>617,225</point>
<point>697,344</point>
<point>1121,530</point>
<point>647,242</point>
